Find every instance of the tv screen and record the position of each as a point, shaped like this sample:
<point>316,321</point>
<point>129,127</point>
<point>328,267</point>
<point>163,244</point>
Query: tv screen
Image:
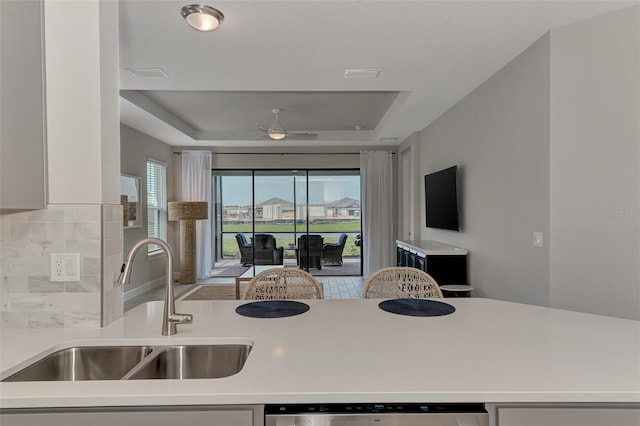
<point>441,198</point>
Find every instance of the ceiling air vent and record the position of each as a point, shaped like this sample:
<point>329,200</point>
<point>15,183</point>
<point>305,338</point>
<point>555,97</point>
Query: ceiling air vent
<point>147,72</point>
<point>388,140</point>
<point>361,73</point>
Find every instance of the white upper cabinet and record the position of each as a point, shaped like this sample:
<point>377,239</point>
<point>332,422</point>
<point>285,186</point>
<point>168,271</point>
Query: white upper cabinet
<point>22,116</point>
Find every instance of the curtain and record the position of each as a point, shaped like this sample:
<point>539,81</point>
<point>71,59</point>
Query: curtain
<point>196,186</point>
<point>376,171</point>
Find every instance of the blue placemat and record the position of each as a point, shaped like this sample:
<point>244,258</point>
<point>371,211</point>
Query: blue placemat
<point>416,307</point>
<point>272,309</point>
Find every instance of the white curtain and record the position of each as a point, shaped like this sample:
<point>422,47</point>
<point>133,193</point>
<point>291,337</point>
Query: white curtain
<point>376,171</point>
<point>196,186</point>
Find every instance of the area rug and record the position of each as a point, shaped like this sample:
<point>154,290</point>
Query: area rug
<point>229,271</point>
<point>214,292</point>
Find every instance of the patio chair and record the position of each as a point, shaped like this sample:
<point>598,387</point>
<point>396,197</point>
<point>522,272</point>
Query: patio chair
<point>266,251</point>
<point>401,282</point>
<point>246,252</point>
<point>332,253</point>
<point>310,251</point>
<point>283,284</point>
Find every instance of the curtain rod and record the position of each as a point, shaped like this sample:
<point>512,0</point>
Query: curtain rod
<point>283,153</point>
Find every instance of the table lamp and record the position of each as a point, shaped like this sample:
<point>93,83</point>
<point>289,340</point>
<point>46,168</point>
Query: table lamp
<point>187,212</point>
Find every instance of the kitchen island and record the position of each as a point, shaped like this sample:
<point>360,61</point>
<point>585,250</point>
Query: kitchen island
<point>487,351</point>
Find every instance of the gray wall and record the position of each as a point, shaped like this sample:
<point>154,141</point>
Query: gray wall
<point>550,143</point>
<point>499,137</point>
<point>135,149</point>
<point>595,179</point>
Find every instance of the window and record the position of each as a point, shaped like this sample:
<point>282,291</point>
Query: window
<point>156,202</point>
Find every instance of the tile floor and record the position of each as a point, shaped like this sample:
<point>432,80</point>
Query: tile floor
<point>334,288</point>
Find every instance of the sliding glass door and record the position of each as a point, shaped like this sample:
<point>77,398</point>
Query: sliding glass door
<point>279,201</point>
<point>295,218</point>
<point>335,215</point>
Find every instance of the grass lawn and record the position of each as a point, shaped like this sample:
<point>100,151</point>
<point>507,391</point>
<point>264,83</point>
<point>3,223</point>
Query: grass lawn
<point>230,246</point>
<point>351,226</point>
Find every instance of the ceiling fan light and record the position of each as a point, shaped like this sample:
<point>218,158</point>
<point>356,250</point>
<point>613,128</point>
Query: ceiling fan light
<point>276,129</point>
<point>277,134</point>
<point>202,17</point>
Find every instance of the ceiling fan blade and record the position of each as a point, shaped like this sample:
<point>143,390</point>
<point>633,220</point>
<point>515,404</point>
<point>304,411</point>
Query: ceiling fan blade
<point>303,133</point>
<point>303,136</point>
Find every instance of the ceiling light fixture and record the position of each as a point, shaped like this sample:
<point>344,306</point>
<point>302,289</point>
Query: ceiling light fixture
<point>202,17</point>
<point>276,129</point>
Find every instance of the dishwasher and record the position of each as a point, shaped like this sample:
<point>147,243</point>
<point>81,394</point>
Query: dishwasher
<point>365,414</point>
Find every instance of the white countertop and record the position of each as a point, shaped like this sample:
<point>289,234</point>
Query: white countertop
<point>431,247</point>
<point>351,351</point>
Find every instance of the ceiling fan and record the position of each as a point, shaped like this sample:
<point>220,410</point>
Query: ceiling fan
<point>277,131</point>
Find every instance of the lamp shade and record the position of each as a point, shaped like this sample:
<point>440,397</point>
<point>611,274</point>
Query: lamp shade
<point>188,210</point>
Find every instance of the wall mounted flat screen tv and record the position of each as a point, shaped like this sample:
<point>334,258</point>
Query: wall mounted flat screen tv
<point>441,198</point>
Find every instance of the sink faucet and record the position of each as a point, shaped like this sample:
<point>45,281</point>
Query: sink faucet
<point>170,318</point>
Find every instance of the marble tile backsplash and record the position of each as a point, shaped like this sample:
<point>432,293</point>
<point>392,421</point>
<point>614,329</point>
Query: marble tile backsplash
<point>27,296</point>
<point>112,298</point>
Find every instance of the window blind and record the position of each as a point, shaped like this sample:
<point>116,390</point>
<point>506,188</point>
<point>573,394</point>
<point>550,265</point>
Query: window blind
<point>156,202</point>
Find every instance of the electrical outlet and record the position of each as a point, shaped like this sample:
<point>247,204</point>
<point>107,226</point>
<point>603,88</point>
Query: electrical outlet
<point>64,267</point>
<point>537,239</point>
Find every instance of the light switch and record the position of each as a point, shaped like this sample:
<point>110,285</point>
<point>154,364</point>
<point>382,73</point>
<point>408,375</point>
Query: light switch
<point>537,239</point>
<point>65,267</point>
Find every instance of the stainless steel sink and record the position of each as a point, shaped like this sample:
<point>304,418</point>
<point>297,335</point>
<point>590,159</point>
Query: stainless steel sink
<point>136,363</point>
<point>193,362</point>
<point>84,363</point>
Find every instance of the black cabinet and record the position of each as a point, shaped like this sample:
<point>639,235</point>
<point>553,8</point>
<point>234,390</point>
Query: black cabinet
<point>447,269</point>
<point>446,264</point>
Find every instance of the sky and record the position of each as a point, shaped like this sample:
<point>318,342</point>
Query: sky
<point>236,190</point>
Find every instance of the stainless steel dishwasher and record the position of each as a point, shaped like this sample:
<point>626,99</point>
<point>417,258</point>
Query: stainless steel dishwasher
<point>449,414</point>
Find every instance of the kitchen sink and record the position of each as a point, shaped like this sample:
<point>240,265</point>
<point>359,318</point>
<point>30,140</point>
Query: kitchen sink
<point>84,363</point>
<point>137,363</point>
<point>194,362</point>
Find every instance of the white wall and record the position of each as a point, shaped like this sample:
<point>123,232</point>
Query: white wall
<point>109,102</point>
<point>136,148</point>
<point>595,173</point>
<point>409,187</point>
<point>80,76</point>
<point>285,161</point>
<point>499,137</point>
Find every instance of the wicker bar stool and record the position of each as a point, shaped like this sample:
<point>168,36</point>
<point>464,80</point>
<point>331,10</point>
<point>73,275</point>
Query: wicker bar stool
<point>282,283</point>
<point>401,282</point>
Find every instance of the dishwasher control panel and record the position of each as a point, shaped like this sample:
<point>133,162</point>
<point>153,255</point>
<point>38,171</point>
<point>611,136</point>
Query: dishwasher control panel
<point>371,408</point>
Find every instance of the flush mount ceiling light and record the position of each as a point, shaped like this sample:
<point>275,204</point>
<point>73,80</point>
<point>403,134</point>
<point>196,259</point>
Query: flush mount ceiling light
<point>202,17</point>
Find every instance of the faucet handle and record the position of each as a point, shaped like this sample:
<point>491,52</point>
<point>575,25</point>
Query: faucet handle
<point>125,273</point>
<point>181,318</point>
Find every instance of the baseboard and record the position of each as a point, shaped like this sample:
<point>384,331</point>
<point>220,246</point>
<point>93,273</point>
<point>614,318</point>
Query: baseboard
<point>158,282</point>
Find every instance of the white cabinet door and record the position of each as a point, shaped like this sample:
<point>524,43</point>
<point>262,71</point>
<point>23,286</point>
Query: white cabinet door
<point>22,123</point>
<point>133,417</point>
<point>560,416</point>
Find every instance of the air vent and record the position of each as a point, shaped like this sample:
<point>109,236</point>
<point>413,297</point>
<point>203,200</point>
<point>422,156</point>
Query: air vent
<point>388,140</point>
<point>361,73</point>
<point>147,72</point>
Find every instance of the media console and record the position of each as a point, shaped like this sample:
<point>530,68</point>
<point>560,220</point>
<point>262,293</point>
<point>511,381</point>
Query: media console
<point>446,264</point>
